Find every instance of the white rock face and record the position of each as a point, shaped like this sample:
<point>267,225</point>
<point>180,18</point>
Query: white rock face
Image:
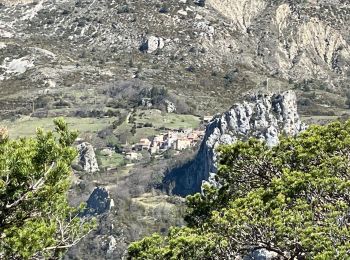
<point>312,50</point>
<point>111,245</point>
<point>17,65</point>
<point>242,12</point>
<point>263,116</point>
<point>170,106</point>
<point>283,12</point>
<point>87,157</point>
<point>152,43</point>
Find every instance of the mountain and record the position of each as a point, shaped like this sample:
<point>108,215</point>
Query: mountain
<point>207,52</point>
<point>262,116</point>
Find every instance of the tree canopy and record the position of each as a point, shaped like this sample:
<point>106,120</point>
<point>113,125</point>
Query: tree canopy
<point>35,218</point>
<point>292,200</point>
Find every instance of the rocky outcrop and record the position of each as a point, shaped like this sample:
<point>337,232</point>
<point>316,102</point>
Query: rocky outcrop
<point>3,134</point>
<point>99,202</point>
<point>170,106</point>
<point>151,44</point>
<point>87,157</point>
<point>263,116</point>
<point>111,245</point>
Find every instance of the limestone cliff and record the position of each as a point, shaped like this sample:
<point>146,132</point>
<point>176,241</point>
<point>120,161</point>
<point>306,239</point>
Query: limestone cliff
<point>263,116</point>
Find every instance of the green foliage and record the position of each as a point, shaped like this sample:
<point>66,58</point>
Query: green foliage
<point>35,218</point>
<point>181,243</point>
<point>292,200</point>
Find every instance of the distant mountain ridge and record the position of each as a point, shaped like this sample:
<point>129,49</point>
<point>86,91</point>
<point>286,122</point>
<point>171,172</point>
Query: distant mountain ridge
<point>207,53</point>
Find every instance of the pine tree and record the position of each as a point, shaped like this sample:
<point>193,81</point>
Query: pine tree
<point>35,218</point>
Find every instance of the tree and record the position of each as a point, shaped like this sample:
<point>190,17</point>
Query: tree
<point>35,218</point>
<point>292,200</point>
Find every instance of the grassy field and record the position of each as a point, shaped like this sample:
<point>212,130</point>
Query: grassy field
<point>158,120</point>
<point>114,160</point>
<point>27,126</point>
<point>172,121</point>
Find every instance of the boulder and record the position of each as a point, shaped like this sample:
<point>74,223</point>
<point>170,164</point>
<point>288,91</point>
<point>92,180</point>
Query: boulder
<point>107,152</point>
<point>170,106</point>
<point>151,44</point>
<point>261,254</point>
<point>200,2</point>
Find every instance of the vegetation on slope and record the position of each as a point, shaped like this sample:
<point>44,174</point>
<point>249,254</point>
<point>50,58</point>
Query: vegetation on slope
<point>35,218</point>
<point>292,200</point>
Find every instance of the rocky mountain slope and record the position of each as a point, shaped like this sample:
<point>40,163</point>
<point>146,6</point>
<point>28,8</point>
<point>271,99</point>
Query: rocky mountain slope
<point>207,52</point>
<point>263,116</point>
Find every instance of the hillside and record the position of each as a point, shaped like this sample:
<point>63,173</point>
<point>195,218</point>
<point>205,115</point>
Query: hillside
<point>128,73</point>
<point>208,55</point>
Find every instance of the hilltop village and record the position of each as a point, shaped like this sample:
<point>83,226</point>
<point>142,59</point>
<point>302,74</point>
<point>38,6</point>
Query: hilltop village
<point>177,140</point>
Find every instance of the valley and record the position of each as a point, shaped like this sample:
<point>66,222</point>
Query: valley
<point>145,82</point>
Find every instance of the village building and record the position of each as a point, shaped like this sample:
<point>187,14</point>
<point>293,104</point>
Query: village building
<point>206,119</point>
<point>177,140</point>
<point>158,138</point>
<point>144,144</point>
<point>133,156</point>
<point>154,149</point>
<point>182,144</point>
<point>170,137</point>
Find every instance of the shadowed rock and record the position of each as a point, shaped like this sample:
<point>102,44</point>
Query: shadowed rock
<point>99,202</point>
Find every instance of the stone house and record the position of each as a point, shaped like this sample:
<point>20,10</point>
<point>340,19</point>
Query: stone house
<point>154,149</point>
<point>182,144</point>
<point>144,144</point>
<point>132,156</point>
<point>206,119</point>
